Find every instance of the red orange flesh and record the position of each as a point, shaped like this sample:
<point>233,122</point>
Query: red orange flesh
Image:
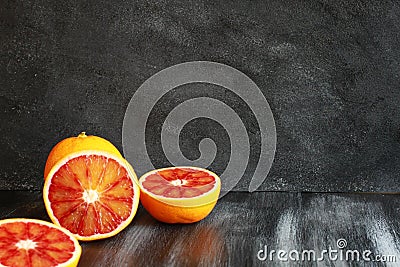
<point>93,195</point>
<point>179,194</point>
<point>30,243</point>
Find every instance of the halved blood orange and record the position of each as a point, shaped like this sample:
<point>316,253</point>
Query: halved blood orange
<point>31,243</point>
<point>93,194</point>
<point>179,194</point>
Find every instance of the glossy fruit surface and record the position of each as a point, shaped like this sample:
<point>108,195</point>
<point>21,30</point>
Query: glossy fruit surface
<point>93,194</point>
<point>31,243</point>
<point>179,194</point>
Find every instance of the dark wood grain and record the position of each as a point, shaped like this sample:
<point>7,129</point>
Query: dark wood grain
<point>240,225</point>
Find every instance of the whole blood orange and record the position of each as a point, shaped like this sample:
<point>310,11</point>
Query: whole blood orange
<point>30,243</point>
<point>75,144</point>
<point>179,194</point>
<point>92,193</point>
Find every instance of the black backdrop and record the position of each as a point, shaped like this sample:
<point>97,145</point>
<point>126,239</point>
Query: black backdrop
<point>329,70</point>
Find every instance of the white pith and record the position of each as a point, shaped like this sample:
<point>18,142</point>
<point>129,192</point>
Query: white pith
<point>178,182</point>
<point>90,196</point>
<point>26,244</point>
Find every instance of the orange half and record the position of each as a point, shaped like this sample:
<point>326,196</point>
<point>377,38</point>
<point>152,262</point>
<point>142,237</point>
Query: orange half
<point>93,194</point>
<point>179,194</point>
<point>31,243</point>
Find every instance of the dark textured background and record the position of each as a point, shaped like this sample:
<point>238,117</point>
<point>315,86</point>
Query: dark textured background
<point>329,70</point>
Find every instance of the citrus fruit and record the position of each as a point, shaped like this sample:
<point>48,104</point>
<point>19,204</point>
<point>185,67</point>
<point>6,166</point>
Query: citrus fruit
<point>94,194</point>
<point>30,243</point>
<point>74,144</point>
<point>179,194</point>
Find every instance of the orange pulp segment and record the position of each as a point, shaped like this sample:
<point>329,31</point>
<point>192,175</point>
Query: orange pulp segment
<point>31,243</point>
<point>93,194</point>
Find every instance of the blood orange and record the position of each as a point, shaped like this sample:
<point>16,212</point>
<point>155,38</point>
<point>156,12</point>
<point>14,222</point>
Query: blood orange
<point>74,144</point>
<point>29,242</point>
<point>93,194</point>
<point>179,194</point>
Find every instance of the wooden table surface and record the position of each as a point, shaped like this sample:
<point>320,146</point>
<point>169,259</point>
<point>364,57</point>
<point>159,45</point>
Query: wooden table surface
<point>240,226</point>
